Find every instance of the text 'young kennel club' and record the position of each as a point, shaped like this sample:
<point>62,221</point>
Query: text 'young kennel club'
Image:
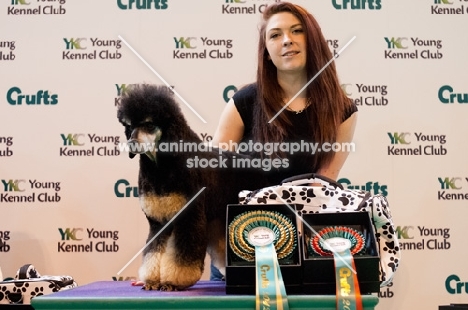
<point>175,259</point>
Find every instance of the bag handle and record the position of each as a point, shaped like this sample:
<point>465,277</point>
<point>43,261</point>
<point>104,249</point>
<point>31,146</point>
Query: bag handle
<point>23,272</point>
<point>305,179</point>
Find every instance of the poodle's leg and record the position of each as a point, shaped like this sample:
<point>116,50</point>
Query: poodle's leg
<point>217,245</point>
<point>158,210</point>
<point>177,272</point>
<point>149,271</point>
<point>184,257</point>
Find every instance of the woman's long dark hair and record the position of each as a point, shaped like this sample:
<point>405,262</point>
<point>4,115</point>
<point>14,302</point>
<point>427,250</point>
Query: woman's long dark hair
<point>329,101</point>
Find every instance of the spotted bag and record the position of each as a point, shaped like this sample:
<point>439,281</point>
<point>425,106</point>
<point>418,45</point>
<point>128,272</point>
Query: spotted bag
<point>28,283</point>
<point>331,197</point>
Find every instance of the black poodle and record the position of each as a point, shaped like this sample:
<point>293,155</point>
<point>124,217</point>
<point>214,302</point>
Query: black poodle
<point>168,181</point>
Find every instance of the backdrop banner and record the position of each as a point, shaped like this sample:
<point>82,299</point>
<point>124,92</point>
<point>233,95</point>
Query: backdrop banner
<point>68,192</point>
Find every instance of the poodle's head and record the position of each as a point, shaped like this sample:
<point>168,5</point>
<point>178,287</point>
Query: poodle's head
<point>148,113</point>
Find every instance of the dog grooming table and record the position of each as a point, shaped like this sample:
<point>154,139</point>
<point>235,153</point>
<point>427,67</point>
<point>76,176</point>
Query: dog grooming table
<point>203,295</point>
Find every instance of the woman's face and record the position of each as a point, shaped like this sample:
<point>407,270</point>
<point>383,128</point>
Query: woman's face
<point>286,42</point>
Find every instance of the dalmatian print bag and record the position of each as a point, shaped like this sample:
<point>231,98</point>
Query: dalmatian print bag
<point>332,197</point>
<point>28,283</point>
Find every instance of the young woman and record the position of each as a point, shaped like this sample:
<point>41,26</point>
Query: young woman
<point>291,50</point>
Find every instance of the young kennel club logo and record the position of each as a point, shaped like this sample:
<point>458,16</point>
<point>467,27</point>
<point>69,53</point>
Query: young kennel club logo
<point>447,95</point>
<point>4,237</point>
<point>245,6</point>
<point>386,292</point>
<point>7,50</point>
<point>15,96</point>
<point>334,44</point>
<point>77,144</point>
<point>375,95</point>
<point>24,191</point>
<point>421,238</point>
<point>91,49</point>
<point>142,4</point>
<point>34,7</point>
<point>120,278</point>
<point>413,48</point>
<point>87,240</point>
<point>122,89</point>
<point>5,146</point>
<point>417,144</point>
<point>451,187</point>
<point>357,4</point>
<point>448,7</point>
<point>202,48</point>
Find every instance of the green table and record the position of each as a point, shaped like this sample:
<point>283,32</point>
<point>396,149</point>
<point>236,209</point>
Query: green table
<point>204,295</point>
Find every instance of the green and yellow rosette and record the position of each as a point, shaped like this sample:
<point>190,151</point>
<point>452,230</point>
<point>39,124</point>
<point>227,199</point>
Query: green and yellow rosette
<point>341,242</point>
<point>264,237</point>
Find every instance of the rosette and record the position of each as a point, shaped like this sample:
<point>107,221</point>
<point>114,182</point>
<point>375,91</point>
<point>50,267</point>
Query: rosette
<point>336,237</point>
<point>242,226</point>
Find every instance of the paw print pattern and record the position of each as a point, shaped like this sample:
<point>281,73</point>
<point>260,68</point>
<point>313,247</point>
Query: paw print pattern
<point>346,199</point>
<point>393,263</point>
<point>328,192</point>
<point>261,200</point>
<point>288,195</point>
<point>38,291</point>
<point>24,289</point>
<point>307,194</point>
<point>53,287</point>
<point>15,296</point>
<point>3,292</point>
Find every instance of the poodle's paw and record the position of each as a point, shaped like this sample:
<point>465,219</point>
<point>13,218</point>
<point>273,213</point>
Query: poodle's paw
<point>168,287</point>
<point>158,286</point>
<point>151,285</point>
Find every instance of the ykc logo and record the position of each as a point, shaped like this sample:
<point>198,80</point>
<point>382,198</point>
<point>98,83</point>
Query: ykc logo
<point>188,42</point>
<point>345,88</point>
<point>72,139</point>
<point>20,2</point>
<point>450,183</point>
<point>398,43</point>
<point>75,43</point>
<point>70,234</point>
<point>123,189</point>
<point>404,232</point>
<point>13,185</point>
<point>120,278</point>
<point>122,89</point>
<point>454,285</point>
<point>399,137</point>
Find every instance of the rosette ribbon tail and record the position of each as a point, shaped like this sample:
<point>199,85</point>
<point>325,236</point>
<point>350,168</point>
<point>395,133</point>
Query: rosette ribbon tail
<point>270,289</point>
<point>348,296</point>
